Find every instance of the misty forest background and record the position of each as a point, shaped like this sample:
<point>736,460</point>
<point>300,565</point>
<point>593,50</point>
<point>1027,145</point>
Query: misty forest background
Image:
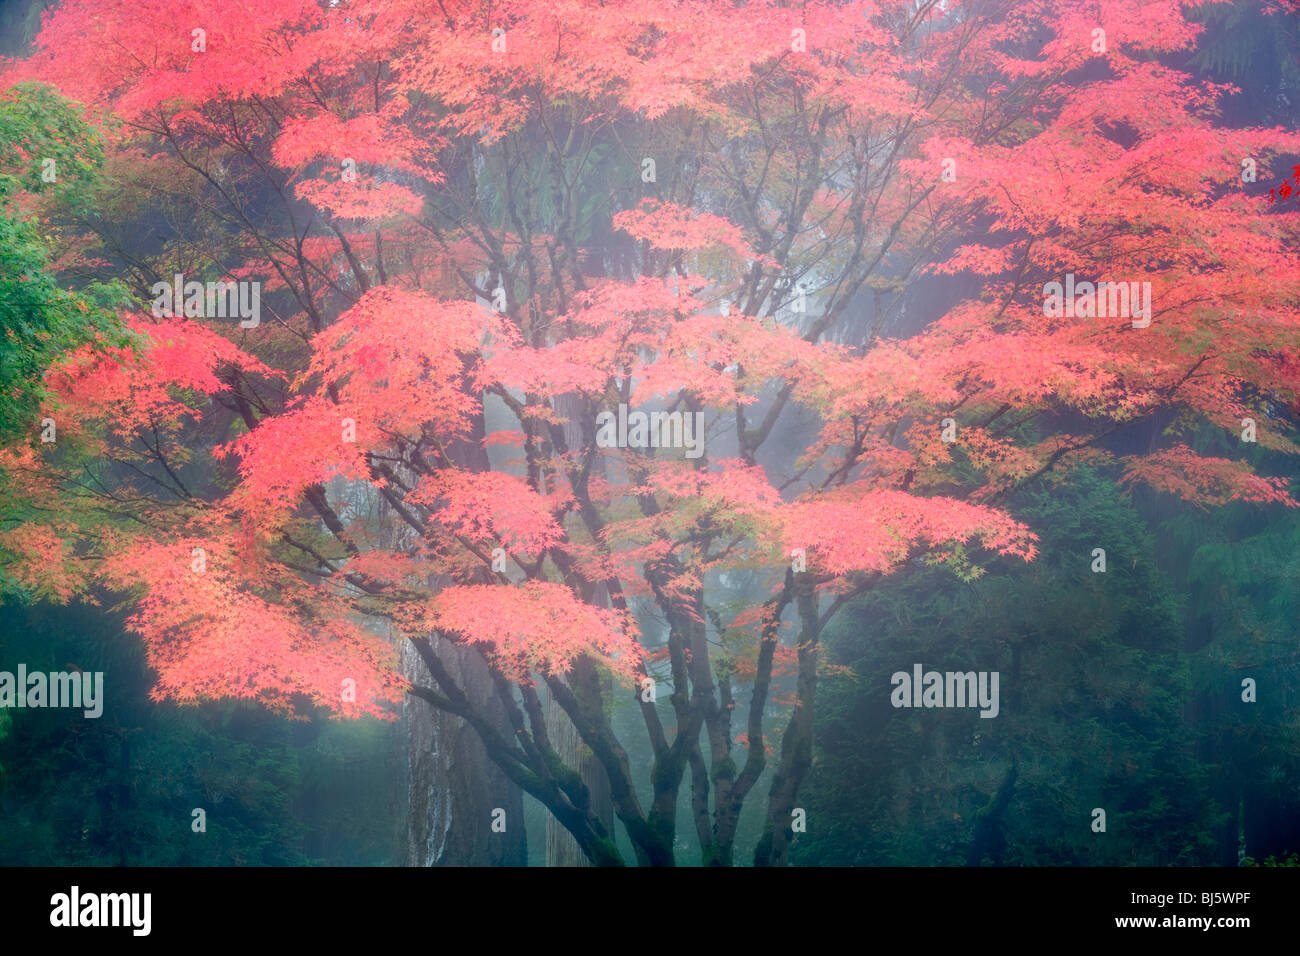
<point>1119,690</point>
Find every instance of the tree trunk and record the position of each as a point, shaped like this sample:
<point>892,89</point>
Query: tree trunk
<point>796,744</point>
<point>453,786</point>
<point>561,848</point>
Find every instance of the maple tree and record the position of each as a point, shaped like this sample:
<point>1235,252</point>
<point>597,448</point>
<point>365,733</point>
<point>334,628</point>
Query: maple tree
<point>476,227</point>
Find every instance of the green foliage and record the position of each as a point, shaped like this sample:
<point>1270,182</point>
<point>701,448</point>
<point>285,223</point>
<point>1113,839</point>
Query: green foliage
<point>38,322</point>
<point>1253,50</point>
<point>1242,574</point>
<point>38,319</point>
<point>120,789</point>
<point>42,133</point>
<point>1291,859</point>
<point>1240,39</point>
<point>1092,688</point>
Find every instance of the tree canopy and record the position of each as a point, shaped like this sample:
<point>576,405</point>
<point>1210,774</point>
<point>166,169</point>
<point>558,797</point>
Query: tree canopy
<point>475,228</point>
